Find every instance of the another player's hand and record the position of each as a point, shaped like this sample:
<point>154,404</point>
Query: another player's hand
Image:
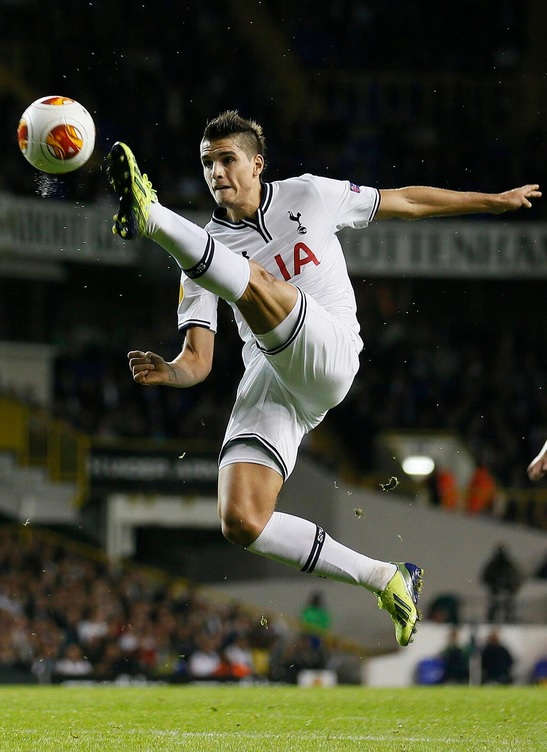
<point>517,198</point>
<point>149,369</point>
<point>538,467</point>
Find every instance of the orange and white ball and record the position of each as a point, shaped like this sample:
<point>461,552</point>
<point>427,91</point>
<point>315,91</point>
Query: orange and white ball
<point>56,134</point>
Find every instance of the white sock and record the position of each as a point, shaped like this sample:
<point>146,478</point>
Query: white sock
<point>306,546</point>
<point>210,263</point>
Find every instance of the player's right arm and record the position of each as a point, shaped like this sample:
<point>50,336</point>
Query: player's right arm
<point>191,366</point>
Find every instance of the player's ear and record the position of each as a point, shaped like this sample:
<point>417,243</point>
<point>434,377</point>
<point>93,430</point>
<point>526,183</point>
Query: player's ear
<point>258,166</point>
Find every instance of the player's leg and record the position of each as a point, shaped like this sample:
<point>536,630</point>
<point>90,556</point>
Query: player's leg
<point>303,368</point>
<point>211,264</point>
<point>247,497</point>
<point>263,300</point>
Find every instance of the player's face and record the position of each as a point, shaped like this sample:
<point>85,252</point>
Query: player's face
<point>232,176</point>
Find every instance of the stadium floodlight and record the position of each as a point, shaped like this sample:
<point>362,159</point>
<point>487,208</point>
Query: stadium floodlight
<point>418,465</point>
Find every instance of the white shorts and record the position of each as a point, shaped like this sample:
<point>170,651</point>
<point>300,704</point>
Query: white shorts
<point>287,391</point>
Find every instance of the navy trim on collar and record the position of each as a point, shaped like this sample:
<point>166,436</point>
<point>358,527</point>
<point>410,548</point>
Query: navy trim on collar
<point>258,224</point>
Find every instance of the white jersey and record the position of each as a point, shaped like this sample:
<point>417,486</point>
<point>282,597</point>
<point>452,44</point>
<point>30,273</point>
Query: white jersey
<point>286,391</point>
<point>294,238</point>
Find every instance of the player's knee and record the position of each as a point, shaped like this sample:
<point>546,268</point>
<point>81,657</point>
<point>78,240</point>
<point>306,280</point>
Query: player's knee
<point>240,527</point>
<point>260,283</point>
<point>260,276</point>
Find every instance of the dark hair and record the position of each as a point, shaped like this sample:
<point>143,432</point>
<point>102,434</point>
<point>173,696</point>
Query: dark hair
<point>230,123</point>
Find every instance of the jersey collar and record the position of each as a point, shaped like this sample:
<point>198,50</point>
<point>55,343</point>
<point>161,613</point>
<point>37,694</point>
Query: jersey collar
<point>257,223</point>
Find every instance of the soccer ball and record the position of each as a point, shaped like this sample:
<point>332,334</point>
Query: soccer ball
<point>56,134</point>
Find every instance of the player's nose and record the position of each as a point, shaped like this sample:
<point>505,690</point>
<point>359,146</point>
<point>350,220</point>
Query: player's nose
<point>217,171</point>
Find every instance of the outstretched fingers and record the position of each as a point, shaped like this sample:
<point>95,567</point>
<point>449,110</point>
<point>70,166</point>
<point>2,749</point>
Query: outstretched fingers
<point>518,197</point>
<point>529,192</point>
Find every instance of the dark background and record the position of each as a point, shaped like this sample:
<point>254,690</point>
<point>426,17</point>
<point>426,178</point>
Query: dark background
<point>385,94</point>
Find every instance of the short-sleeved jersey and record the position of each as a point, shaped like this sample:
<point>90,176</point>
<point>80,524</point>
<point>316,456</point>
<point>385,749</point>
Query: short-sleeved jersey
<point>294,237</point>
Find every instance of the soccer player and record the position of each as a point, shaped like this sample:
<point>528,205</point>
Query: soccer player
<point>538,467</point>
<point>271,250</point>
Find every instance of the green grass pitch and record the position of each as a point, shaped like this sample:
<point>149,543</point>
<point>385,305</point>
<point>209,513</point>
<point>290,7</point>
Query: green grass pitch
<point>272,719</point>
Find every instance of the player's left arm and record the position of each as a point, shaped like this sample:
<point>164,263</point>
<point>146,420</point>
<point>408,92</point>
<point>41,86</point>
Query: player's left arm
<point>416,202</point>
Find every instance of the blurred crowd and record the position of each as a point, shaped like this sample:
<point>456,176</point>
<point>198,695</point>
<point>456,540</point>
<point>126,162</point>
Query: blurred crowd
<point>489,661</point>
<point>64,614</point>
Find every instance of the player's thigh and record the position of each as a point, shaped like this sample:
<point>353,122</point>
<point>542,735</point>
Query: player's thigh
<point>267,301</point>
<point>319,366</point>
<point>266,414</point>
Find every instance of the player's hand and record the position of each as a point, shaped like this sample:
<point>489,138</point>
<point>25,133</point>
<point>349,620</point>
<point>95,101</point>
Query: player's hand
<point>517,198</point>
<point>538,467</point>
<point>149,369</point>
